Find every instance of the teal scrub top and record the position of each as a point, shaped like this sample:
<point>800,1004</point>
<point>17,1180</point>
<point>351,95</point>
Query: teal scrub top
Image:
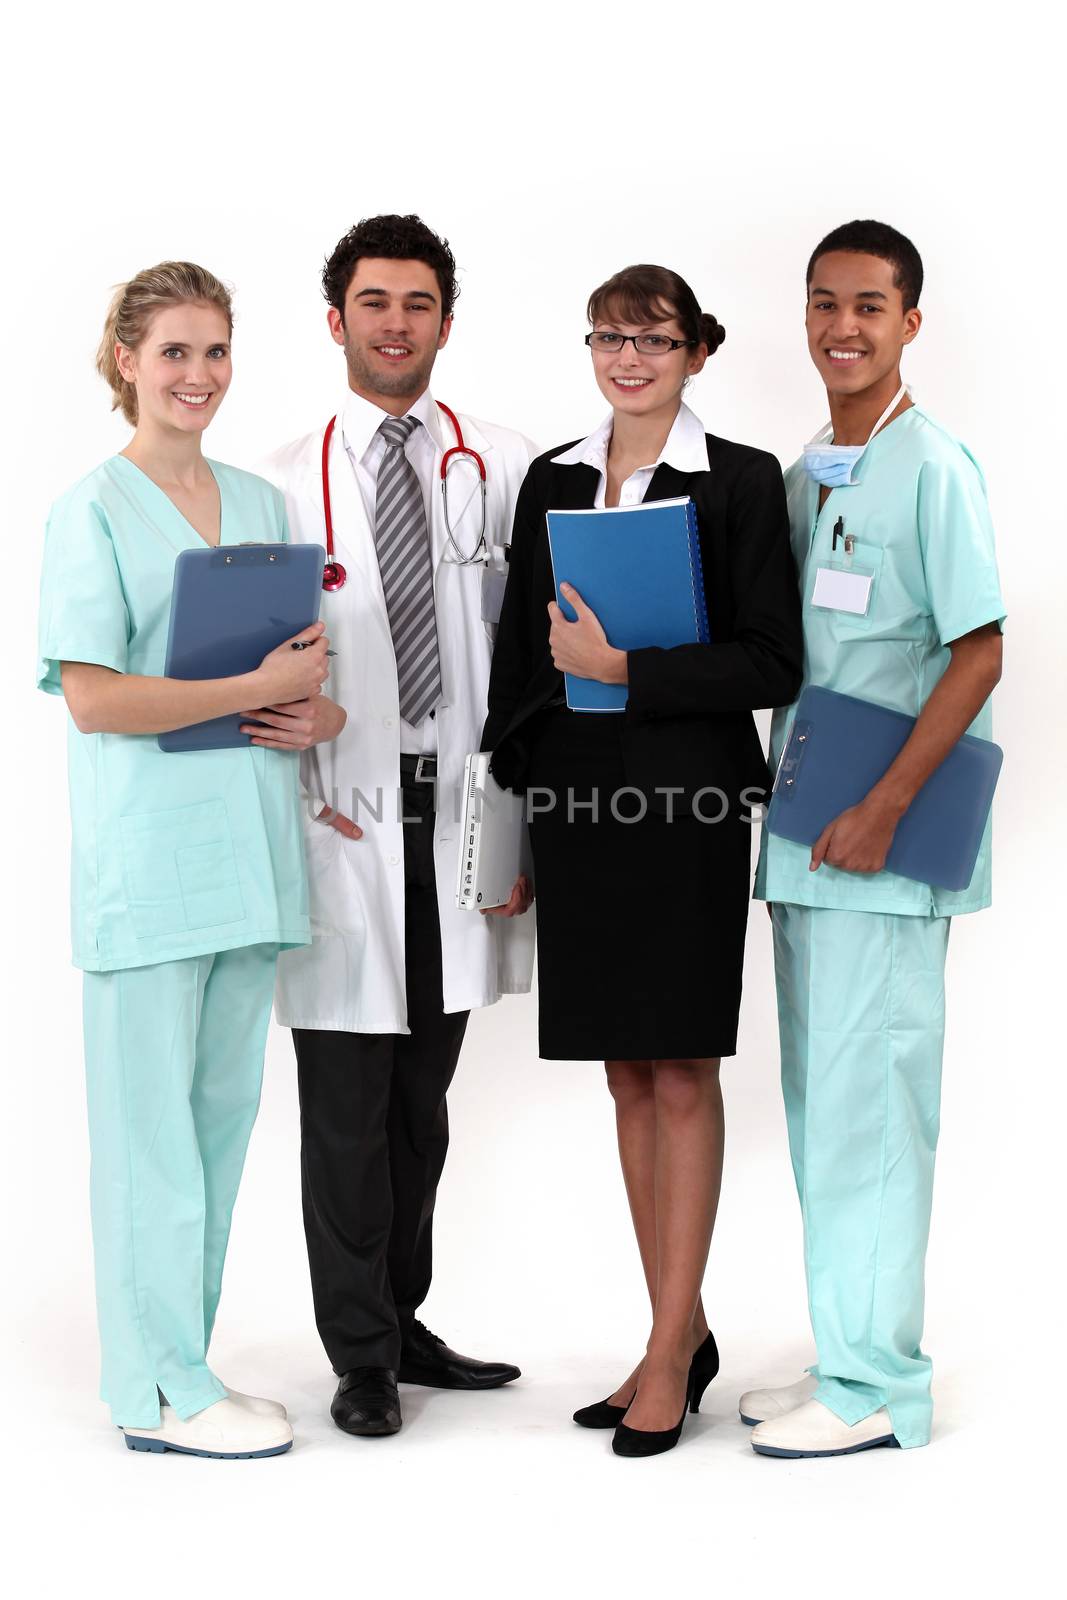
<point>173,854</point>
<point>918,509</point>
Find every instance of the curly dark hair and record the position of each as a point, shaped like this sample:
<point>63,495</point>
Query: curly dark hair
<point>392,238</point>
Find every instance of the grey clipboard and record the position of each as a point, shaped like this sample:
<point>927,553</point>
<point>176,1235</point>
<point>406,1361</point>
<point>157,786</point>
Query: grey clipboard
<point>838,748</point>
<point>231,605</point>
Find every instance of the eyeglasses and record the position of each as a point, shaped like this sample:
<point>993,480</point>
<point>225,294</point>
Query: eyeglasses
<point>648,344</point>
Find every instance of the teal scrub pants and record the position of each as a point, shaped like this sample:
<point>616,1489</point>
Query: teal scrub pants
<point>861,1014</point>
<point>174,1064</point>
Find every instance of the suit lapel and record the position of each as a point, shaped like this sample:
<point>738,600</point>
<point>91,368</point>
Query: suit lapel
<point>574,488</point>
<point>668,483</point>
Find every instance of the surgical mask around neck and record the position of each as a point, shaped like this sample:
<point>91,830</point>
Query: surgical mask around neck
<point>831,464</point>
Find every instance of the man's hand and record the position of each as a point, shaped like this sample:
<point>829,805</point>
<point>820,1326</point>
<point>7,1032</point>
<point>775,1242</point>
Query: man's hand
<point>298,725</point>
<point>344,825</point>
<point>859,839</point>
<point>582,647</point>
<point>521,900</point>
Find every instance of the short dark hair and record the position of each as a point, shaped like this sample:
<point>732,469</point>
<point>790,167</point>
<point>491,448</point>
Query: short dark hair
<point>644,293</point>
<point>393,238</point>
<point>877,239</point>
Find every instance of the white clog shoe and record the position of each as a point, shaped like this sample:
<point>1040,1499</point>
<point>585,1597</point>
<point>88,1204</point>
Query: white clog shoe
<point>761,1405</point>
<point>812,1429</point>
<point>256,1404</point>
<point>226,1430</point>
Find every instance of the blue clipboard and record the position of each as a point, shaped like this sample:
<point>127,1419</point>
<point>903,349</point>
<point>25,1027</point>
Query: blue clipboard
<point>840,746</point>
<point>231,606</point>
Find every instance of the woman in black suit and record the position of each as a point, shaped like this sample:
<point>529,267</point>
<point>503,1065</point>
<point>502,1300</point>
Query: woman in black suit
<point>642,904</point>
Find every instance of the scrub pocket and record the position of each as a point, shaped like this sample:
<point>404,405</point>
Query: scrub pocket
<point>180,869</point>
<point>866,560</point>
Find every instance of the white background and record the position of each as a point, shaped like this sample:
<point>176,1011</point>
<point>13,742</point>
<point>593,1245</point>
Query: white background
<point>551,148</point>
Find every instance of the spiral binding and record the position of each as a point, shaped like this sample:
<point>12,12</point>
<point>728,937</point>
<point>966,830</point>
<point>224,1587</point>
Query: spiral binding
<point>696,574</point>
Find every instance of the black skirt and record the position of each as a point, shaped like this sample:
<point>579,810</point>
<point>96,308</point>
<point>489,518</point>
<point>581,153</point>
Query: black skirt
<point>640,918</point>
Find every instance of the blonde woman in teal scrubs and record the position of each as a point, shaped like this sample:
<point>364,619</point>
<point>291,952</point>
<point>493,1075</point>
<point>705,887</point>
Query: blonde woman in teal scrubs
<point>187,868</point>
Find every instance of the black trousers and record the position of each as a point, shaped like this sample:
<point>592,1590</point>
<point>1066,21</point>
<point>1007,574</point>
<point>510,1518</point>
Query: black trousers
<point>374,1135</point>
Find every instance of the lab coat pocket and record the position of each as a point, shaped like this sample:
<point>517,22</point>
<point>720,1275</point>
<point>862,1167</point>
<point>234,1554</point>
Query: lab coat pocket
<point>493,585</point>
<point>491,599</point>
<point>328,890</point>
<point>180,869</point>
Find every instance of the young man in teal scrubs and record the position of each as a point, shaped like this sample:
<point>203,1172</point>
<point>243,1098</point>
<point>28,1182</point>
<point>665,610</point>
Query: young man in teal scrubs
<point>860,952</point>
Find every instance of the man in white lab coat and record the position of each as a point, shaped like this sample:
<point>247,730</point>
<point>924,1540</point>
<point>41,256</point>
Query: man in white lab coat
<point>379,1002</point>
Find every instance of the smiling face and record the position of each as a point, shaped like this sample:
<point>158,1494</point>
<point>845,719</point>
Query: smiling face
<point>392,328</point>
<point>182,367</point>
<point>856,322</point>
<point>637,382</point>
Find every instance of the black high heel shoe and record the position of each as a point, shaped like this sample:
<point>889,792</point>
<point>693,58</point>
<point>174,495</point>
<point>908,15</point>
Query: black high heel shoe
<point>602,1414</point>
<point>705,1365</point>
<point>637,1442</point>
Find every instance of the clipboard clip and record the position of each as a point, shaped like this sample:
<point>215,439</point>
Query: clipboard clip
<point>785,781</point>
<point>247,553</point>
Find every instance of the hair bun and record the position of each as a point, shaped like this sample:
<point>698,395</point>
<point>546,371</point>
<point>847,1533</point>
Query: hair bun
<point>712,332</point>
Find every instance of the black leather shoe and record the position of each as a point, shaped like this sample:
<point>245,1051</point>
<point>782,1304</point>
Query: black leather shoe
<point>426,1359</point>
<point>367,1403</point>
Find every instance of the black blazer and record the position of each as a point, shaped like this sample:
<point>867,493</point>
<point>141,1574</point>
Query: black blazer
<point>688,722</point>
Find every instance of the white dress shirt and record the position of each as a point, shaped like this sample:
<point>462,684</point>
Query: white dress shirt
<point>686,449</point>
<point>360,421</point>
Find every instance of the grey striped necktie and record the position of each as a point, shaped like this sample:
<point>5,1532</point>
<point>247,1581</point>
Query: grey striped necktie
<point>403,545</point>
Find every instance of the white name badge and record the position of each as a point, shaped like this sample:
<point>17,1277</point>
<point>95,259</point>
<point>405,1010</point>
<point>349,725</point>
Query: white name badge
<point>839,590</point>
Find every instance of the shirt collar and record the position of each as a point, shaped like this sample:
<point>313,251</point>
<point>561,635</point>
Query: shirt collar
<point>686,447</point>
<point>361,419</point>
<point>591,451</point>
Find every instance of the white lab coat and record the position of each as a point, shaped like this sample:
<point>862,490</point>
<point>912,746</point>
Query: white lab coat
<point>351,978</point>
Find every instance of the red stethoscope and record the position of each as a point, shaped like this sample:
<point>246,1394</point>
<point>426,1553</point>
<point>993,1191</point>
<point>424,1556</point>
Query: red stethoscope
<point>334,574</point>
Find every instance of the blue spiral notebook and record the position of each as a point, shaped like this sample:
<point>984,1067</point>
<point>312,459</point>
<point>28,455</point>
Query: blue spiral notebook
<point>840,746</point>
<point>638,568</point>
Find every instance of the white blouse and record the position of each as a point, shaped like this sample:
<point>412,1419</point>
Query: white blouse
<point>686,449</point>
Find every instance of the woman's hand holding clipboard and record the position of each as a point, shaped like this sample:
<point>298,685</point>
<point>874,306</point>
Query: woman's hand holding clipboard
<point>289,673</point>
<point>299,720</point>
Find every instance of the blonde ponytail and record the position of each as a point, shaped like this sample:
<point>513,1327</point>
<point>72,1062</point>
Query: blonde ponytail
<point>132,308</point>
